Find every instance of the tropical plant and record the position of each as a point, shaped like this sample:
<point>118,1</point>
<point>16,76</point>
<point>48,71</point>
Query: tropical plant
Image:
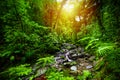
<point>54,74</point>
<point>47,61</point>
<point>17,72</point>
<point>105,49</point>
<point>85,75</point>
<point>106,70</point>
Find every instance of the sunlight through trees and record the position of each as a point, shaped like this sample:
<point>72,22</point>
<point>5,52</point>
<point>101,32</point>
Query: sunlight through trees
<point>47,39</point>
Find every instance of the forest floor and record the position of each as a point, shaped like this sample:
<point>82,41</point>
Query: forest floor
<point>73,59</point>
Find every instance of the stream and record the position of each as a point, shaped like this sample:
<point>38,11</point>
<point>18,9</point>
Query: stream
<point>70,57</point>
<point>74,58</point>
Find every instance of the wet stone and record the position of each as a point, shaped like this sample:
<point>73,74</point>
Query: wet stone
<point>91,58</point>
<point>74,58</point>
<point>89,67</point>
<point>73,68</point>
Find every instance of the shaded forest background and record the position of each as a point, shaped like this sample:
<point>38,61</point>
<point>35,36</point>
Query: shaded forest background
<point>33,29</point>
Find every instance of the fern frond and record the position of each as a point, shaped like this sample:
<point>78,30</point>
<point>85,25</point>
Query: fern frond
<point>92,43</point>
<point>105,48</point>
<point>45,61</point>
<point>17,72</point>
<point>85,38</point>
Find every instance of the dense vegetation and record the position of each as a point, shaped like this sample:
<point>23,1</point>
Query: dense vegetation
<point>32,31</point>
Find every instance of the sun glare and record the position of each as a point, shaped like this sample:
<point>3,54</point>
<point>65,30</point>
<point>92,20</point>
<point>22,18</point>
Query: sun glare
<point>78,18</point>
<point>59,0</point>
<point>68,7</point>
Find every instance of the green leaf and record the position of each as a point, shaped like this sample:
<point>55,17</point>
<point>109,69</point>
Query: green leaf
<point>12,58</point>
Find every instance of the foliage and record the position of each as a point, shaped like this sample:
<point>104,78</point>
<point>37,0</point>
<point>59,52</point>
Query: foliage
<point>110,20</point>
<point>17,72</point>
<point>105,69</point>
<point>95,44</point>
<point>30,28</point>
<point>56,75</point>
<point>91,33</point>
<point>105,48</point>
<point>44,11</point>
<point>101,38</point>
<point>85,75</point>
<point>24,37</point>
<point>106,53</point>
<point>52,42</point>
<point>45,61</point>
<point>41,66</point>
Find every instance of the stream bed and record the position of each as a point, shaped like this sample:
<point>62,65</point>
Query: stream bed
<point>70,57</point>
<point>74,58</point>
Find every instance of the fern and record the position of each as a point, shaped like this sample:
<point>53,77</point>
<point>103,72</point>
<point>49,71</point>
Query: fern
<point>85,75</point>
<point>105,48</point>
<point>45,61</point>
<point>92,43</point>
<point>14,73</point>
<point>56,75</point>
<point>84,41</point>
<point>100,47</point>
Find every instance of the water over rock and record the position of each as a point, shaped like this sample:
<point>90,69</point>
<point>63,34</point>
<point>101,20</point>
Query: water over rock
<point>74,57</point>
<point>71,57</point>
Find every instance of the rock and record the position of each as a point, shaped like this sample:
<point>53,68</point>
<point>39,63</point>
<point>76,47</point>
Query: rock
<point>73,68</point>
<point>68,46</point>
<point>73,51</point>
<point>81,64</point>
<point>41,71</point>
<point>89,67</point>
<point>82,50</point>
<point>62,51</point>
<point>71,55</point>
<point>94,63</point>
<point>91,58</point>
<point>87,55</point>
<point>79,49</point>
<point>66,56</point>
<point>42,77</point>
